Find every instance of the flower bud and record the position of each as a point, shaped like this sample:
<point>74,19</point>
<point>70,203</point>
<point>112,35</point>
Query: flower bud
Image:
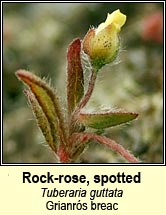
<point>102,44</point>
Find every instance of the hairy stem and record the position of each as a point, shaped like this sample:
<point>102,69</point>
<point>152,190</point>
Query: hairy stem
<point>83,102</point>
<point>82,138</point>
<point>73,120</point>
<point>88,94</point>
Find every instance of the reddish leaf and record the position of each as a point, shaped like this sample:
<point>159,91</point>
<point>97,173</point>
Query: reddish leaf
<point>41,119</point>
<point>75,79</point>
<point>48,101</point>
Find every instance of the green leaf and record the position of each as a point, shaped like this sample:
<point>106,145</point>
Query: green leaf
<point>106,119</point>
<point>75,78</point>
<point>48,101</point>
<point>41,119</point>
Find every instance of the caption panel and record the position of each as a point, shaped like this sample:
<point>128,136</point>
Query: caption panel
<point>88,190</point>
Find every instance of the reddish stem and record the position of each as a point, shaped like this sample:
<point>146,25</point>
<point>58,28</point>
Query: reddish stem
<point>84,137</point>
<point>63,155</point>
<point>83,102</point>
<point>88,94</point>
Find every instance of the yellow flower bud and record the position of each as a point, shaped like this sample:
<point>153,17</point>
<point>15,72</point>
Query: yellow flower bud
<point>102,44</point>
